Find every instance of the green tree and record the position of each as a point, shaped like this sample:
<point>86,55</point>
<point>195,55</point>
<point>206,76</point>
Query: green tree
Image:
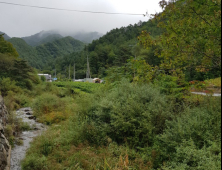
<point>192,37</point>
<point>14,70</point>
<point>6,47</point>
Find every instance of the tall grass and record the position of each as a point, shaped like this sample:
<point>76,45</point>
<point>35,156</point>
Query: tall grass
<point>127,126</point>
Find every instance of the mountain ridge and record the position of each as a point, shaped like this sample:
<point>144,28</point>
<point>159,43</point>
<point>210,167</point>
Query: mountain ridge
<point>38,38</point>
<point>6,37</point>
<point>43,54</point>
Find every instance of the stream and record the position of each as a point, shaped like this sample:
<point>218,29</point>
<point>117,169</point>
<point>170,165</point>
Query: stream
<point>206,94</point>
<point>18,152</point>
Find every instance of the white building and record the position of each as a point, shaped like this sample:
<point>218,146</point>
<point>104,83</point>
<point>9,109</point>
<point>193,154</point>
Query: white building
<point>48,77</point>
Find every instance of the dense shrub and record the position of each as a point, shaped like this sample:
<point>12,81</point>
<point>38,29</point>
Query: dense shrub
<point>45,104</point>
<point>128,113</point>
<point>6,85</point>
<point>172,86</point>
<point>49,108</point>
<point>127,126</point>
<point>34,163</point>
<point>193,141</point>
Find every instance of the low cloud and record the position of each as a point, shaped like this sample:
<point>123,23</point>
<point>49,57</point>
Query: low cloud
<point>19,21</point>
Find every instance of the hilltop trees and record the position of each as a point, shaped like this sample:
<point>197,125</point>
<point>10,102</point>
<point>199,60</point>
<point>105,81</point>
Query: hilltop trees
<point>6,47</point>
<point>14,71</point>
<point>192,39</point>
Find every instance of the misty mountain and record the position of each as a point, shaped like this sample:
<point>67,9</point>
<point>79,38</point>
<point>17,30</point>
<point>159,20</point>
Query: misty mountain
<point>111,50</point>
<point>87,37</point>
<point>42,37</point>
<point>26,52</point>
<point>6,37</point>
<point>43,54</point>
<point>49,36</point>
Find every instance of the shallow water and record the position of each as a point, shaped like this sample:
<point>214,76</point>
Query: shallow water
<point>206,94</point>
<point>18,152</point>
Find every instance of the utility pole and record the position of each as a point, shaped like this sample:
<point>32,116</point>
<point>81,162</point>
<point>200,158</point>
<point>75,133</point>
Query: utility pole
<point>69,72</point>
<point>65,72</point>
<point>74,73</point>
<point>55,75</point>
<point>88,69</point>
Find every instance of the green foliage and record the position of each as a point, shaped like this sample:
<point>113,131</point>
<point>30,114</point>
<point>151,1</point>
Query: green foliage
<point>43,78</point>
<point>128,113</point>
<point>34,163</point>
<point>192,41</point>
<point>214,82</point>
<point>136,70</point>
<point>193,138</point>
<point>43,55</point>
<point>17,71</point>
<point>48,145</point>
<point>6,85</point>
<point>6,37</point>
<point>126,126</point>
<point>26,52</point>
<point>111,50</point>
<point>83,86</point>
<point>52,106</point>
<point>16,99</point>
<point>189,157</point>
<point>67,151</point>
<point>41,38</point>
<point>172,86</point>
<point>7,48</point>
<point>14,72</point>
<point>14,126</point>
<point>45,104</point>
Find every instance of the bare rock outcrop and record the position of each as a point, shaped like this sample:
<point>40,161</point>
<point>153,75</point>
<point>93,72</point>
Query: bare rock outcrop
<point>5,148</point>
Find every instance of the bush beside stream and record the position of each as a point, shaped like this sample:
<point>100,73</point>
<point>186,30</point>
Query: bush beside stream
<point>129,126</point>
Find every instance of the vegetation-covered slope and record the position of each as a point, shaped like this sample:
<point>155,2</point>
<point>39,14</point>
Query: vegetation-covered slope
<point>36,39</point>
<point>49,38</point>
<point>6,37</point>
<point>44,54</point>
<point>87,37</point>
<point>26,52</point>
<point>147,121</point>
<point>112,49</point>
<point>14,72</point>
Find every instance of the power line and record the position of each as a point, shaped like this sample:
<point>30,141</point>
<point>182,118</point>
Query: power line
<point>70,10</point>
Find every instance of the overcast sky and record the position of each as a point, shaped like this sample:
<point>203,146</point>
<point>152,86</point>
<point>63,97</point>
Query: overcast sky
<point>17,21</point>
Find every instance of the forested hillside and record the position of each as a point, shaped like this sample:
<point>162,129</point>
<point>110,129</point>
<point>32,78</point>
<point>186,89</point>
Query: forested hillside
<point>49,38</point>
<point>171,44</point>
<point>87,37</point>
<point>41,37</point>
<point>112,49</point>
<point>145,115</point>
<point>43,55</point>
<point>26,52</point>
<point>15,73</point>
<point>6,37</point>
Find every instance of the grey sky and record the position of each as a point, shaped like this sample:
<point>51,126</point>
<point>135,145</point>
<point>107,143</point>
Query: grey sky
<point>19,21</point>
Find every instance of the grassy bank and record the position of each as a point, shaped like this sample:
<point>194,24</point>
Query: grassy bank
<point>126,126</point>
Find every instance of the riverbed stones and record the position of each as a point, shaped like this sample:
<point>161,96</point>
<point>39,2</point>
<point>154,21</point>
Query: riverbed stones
<point>19,151</point>
<point>29,113</point>
<point>1,129</point>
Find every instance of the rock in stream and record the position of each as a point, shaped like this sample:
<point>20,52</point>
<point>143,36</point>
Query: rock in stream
<point>18,152</point>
